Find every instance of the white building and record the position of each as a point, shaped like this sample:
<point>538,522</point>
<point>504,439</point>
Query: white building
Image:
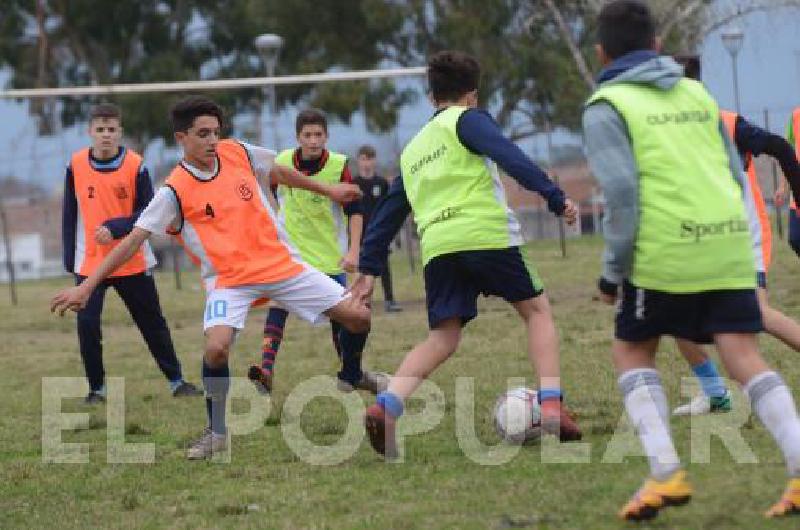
<point>28,259</point>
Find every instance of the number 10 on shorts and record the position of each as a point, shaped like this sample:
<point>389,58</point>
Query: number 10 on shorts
<point>216,309</point>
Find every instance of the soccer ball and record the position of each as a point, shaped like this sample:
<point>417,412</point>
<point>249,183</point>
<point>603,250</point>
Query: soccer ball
<point>517,416</point>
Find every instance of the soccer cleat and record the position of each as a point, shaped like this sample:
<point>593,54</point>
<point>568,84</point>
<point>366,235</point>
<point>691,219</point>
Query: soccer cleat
<point>380,428</point>
<point>392,307</point>
<point>655,495</point>
<point>704,405</point>
<point>186,389</point>
<point>370,381</point>
<point>789,503</point>
<point>261,379</point>
<point>94,398</point>
<point>207,445</point>
<point>557,420</point>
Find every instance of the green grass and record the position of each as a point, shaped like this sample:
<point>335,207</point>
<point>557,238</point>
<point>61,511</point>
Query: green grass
<point>267,486</point>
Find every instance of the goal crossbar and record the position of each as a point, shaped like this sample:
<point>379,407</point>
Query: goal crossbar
<point>212,84</point>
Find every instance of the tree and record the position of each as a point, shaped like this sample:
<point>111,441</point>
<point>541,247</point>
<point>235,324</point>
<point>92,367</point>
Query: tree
<point>682,24</point>
<point>72,42</point>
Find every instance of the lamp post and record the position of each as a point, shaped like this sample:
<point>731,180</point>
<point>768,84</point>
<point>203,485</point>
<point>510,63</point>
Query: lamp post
<point>269,46</point>
<point>732,38</point>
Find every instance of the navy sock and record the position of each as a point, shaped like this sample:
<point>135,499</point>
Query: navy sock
<point>352,346</point>
<point>216,381</point>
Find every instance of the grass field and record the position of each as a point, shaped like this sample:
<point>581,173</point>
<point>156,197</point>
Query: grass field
<point>267,486</point>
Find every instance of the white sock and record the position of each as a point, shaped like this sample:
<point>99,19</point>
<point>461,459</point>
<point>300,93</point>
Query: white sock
<point>773,404</point>
<point>647,408</point>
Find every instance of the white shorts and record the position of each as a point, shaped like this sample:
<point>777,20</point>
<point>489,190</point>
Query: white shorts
<point>308,295</point>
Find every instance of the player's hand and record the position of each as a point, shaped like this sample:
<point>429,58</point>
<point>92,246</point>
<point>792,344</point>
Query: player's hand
<point>607,291</point>
<point>570,212</point>
<point>73,299</point>
<point>344,193</point>
<point>362,288</point>
<point>103,235</point>
<point>350,261</point>
<point>607,299</point>
<point>780,197</point>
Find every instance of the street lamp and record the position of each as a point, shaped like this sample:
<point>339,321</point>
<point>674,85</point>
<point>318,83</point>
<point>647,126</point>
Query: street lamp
<point>732,38</point>
<point>269,46</point>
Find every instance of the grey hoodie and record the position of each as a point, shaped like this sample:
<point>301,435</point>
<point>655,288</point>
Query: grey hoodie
<point>611,159</point>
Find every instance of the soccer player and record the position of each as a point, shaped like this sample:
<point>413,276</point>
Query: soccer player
<point>318,228</point>
<point>374,187</point>
<point>678,246</point>
<point>793,135</point>
<point>213,202</point>
<point>750,141</point>
<point>471,242</point>
<point>106,188</point>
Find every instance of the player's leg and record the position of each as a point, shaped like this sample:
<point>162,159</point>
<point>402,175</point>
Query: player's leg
<point>643,316</point>
<point>418,364</point>
<point>140,296</point>
<point>225,313</point>
<point>451,298</point>
<point>544,355</point>
<point>314,296</point>
<point>350,347</point>
<point>772,402</point>
<point>90,340</point>
<point>509,274</point>
<point>390,306</point>
<point>733,318</point>
<point>274,325</point>
<point>716,397</point>
<point>646,404</point>
<point>777,324</point>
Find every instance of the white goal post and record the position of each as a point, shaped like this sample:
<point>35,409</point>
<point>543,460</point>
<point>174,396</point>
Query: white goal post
<point>213,84</point>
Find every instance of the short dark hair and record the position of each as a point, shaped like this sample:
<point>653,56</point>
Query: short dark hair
<point>625,26</point>
<point>105,110</point>
<point>185,111</point>
<point>451,74</point>
<point>691,65</point>
<point>367,151</point>
<point>311,117</point>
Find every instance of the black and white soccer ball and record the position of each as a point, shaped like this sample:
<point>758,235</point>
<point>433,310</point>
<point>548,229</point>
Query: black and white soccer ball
<point>517,416</point>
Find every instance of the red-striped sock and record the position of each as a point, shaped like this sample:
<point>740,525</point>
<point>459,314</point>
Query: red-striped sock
<point>273,335</point>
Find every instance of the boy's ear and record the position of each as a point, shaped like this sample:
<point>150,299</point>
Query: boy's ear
<point>602,56</point>
<point>179,136</point>
<point>658,44</point>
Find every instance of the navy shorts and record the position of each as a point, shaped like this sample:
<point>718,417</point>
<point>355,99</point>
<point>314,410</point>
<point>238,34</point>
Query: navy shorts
<point>454,281</point>
<point>644,314</point>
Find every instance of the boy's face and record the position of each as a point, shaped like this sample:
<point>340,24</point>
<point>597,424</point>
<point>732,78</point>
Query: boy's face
<point>366,165</point>
<point>199,142</point>
<point>312,139</point>
<point>106,134</point>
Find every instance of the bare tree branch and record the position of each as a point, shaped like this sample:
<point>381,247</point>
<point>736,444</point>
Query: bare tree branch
<point>577,56</point>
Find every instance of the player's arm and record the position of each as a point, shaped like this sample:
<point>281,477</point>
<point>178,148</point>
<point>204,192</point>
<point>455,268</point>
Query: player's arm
<point>736,167</point>
<point>162,213</point>
<point>289,176</point>
<point>753,139</point>
<point>386,220</point>
<point>119,227</point>
<point>355,217</point>
<point>611,160</point>
<point>75,298</point>
<point>69,221</point>
<point>479,133</point>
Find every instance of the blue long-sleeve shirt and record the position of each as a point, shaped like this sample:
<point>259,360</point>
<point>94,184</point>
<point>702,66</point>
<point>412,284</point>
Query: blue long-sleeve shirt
<point>118,226</point>
<point>751,139</point>
<point>479,133</point>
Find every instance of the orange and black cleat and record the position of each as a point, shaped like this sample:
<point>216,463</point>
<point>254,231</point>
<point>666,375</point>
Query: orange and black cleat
<point>656,495</point>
